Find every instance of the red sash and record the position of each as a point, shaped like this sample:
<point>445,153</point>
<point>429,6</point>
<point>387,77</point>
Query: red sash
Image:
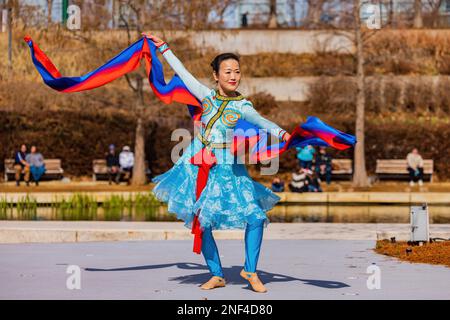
<point>205,160</point>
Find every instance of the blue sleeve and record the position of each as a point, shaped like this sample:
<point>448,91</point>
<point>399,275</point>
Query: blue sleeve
<point>251,115</point>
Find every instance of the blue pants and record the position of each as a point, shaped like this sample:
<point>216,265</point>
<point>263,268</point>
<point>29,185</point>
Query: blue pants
<point>37,172</point>
<point>253,239</point>
<point>305,164</point>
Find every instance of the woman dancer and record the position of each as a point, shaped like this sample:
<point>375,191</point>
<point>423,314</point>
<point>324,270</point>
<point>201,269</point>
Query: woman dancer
<point>230,199</point>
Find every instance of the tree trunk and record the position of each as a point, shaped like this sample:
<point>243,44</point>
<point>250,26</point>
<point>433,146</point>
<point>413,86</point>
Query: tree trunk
<point>273,15</point>
<point>315,8</point>
<point>139,177</point>
<point>391,13</point>
<point>360,173</point>
<point>418,21</point>
<point>49,11</point>
<point>10,39</point>
<point>435,13</point>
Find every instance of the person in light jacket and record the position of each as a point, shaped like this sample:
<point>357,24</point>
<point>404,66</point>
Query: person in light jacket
<point>126,162</point>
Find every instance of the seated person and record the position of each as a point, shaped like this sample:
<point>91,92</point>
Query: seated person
<point>277,185</point>
<point>299,181</point>
<point>323,165</point>
<point>313,181</point>
<point>305,156</point>
<point>126,162</point>
<point>112,164</point>
<point>21,165</point>
<point>415,167</point>
<point>37,166</point>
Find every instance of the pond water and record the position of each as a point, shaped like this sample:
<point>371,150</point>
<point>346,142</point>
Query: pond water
<point>280,213</point>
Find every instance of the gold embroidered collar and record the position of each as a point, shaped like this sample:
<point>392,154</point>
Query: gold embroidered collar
<point>223,98</point>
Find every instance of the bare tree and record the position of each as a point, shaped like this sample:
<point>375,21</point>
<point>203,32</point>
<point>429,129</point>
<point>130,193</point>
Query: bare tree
<point>196,14</point>
<point>136,83</point>
<point>273,23</point>
<point>360,172</point>
<point>49,11</point>
<point>292,12</point>
<point>435,5</point>
<point>391,12</point>
<point>358,35</point>
<point>418,20</point>
<point>315,10</point>
<point>11,6</point>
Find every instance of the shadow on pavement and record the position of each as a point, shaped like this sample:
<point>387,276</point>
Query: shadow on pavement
<point>231,275</point>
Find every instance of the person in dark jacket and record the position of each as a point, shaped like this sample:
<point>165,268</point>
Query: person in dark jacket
<point>21,165</point>
<point>313,180</point>
<point>112,164</point>
<point>277,185</point>
<point>323,165</point>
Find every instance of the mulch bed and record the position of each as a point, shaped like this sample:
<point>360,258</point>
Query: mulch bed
<point>432,253</point>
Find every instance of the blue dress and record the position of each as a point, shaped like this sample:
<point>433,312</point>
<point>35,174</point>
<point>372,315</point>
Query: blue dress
<point>231,199</point>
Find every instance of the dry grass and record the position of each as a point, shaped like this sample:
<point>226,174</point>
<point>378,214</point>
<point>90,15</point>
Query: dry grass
<point>421,96</point>
<point>406,52</point>
<point>431,253</point>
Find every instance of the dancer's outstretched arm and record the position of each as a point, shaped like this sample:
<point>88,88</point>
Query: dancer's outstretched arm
<point>252,116</point>
<point>199,90</point>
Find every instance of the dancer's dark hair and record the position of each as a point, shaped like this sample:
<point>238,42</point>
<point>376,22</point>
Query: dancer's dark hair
<point>215,64</point>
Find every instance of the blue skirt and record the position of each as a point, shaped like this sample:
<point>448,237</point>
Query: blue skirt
<point>231,199</point>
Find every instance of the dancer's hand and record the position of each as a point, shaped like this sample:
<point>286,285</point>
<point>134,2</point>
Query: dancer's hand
<point>157,41</point>
<point>286,136</point>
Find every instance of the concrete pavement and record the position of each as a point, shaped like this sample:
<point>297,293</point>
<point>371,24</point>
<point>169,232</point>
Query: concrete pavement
<point>86,231</point>
<point>291,269</point>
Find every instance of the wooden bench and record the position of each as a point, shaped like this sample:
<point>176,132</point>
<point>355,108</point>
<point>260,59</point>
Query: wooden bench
<point>100,170</point>
<point>52,166</point>
<point>341,168</point>
<point>396,169</point>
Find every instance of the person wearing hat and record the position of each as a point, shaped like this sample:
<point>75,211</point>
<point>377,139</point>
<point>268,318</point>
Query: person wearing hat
<point>112,164</point>
<point>126,162</point>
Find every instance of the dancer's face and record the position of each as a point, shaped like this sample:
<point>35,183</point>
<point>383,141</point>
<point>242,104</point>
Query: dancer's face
<point>229,76</point>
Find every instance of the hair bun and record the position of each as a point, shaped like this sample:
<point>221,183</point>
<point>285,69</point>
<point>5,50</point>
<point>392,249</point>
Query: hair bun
<point>215,64</point>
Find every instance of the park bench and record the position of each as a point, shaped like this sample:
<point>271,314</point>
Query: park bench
<point>341,168</point>
<point>100,170</point>
<point>52,166</point>
<point>396,169</point>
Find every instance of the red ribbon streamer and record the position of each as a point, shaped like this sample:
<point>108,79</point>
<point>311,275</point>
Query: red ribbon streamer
<point>205,160</point>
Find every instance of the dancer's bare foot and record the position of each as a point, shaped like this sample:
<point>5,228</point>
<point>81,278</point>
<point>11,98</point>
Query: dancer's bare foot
<point>214,282</point>
<point>254,281</point>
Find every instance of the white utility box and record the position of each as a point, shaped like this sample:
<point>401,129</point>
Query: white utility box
<point>419,224</point>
